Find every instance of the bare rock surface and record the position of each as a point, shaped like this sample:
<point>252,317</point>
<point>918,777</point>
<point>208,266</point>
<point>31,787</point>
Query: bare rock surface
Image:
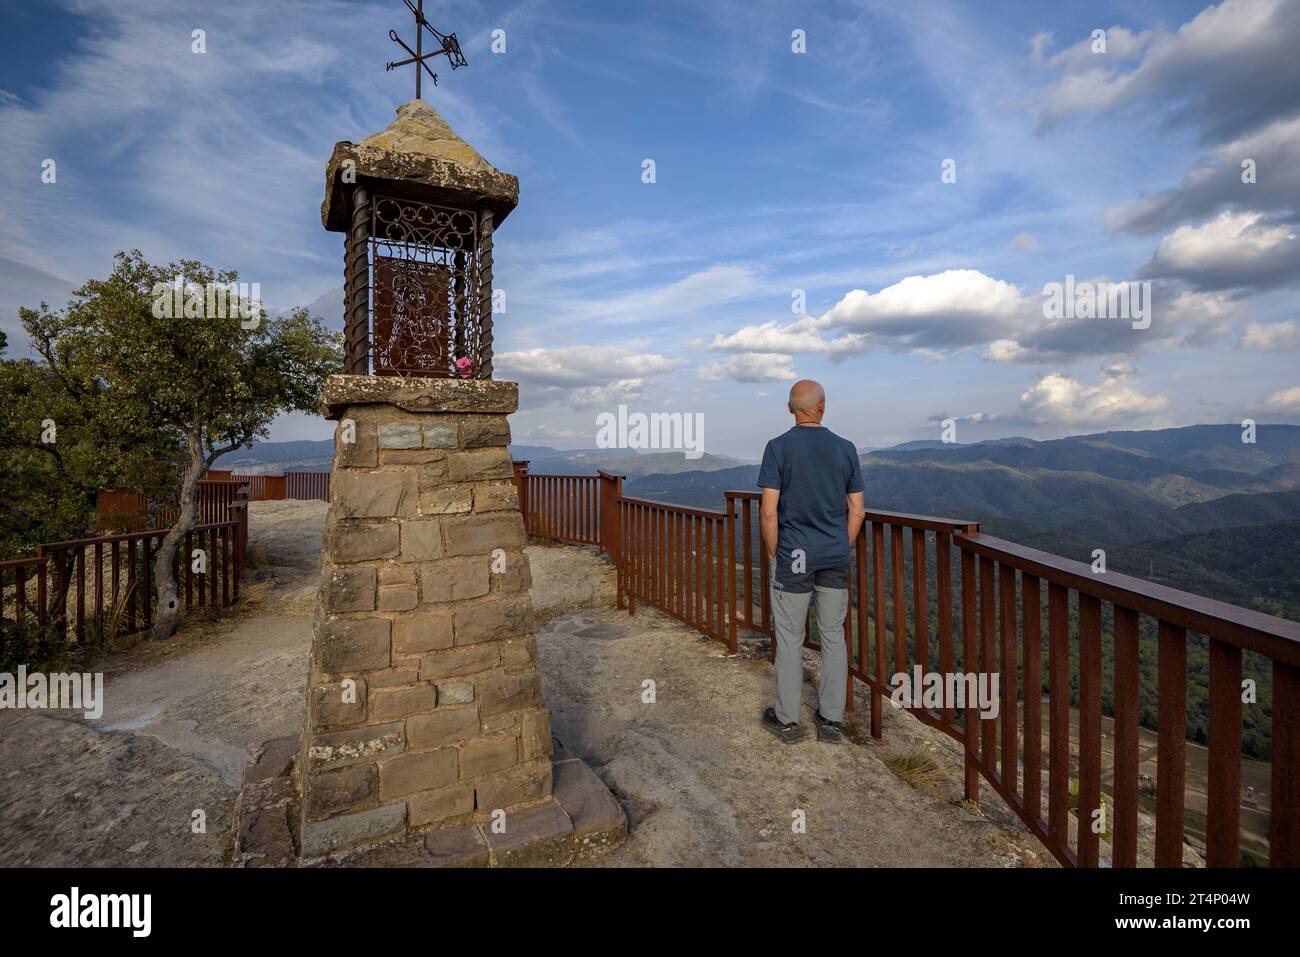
<point>566,578</point>
<point>701,782</point>
<point>179,718</point>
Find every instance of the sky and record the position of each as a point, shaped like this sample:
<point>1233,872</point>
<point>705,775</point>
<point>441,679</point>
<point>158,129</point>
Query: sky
<point>873,195</point>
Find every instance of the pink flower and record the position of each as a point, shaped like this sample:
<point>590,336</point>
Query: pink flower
<point>464,365</point>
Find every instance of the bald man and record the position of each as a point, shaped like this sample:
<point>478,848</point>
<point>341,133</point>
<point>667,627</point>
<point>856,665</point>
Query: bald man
<point>811,512</point>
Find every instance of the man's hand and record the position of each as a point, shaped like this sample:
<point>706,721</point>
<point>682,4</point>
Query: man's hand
<point>767,520</point>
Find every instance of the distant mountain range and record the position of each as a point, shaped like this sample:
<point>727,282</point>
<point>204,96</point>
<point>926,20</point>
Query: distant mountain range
<point>312,456</point>
<point>628,462</point>
<point>919,444</point>
<point>271,458</point>
<point>1194,507</point>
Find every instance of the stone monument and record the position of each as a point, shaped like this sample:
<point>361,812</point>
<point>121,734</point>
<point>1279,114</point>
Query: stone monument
<point>425,726</point>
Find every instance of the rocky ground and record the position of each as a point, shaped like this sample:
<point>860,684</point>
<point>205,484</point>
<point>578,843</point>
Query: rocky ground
<point>178,719</point>
<point>702,783</point>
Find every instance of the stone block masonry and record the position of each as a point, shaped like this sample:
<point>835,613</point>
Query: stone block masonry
<point>424,710</point>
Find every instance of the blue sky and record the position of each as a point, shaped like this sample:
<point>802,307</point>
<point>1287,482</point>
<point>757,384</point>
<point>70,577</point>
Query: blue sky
<point>775,171</point>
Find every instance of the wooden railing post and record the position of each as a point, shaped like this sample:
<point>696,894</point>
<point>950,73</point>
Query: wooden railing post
<point>1284,824</point>
<point>970,642</point>
<point>519,476</point>
<point>239,508</point>
<point>1171,760</point>
<point>611,488</point>
<point>730,583</point>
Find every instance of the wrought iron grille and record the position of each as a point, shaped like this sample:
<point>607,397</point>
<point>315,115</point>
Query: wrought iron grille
<point>427,315</point>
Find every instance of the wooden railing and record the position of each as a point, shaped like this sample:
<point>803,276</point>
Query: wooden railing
<point>89,587</point>
<point>128,511</point>
<point>999,612</point>
<point>676,558</point>
<point>303,486</point>
<point>567,508</point>
<point>263,488</point>
<point>77,589</point>
<point>936,594</point>
<point>307,486</point>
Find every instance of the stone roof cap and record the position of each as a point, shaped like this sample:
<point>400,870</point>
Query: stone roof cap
<point>419,156</point>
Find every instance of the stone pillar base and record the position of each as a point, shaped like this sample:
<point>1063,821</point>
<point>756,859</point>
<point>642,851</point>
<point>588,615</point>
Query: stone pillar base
<point>579,821</point>
<point>424,708</point>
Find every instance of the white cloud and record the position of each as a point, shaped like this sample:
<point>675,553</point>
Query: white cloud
<point>946,305</point>
<point>550,432</point>
<point>1121,44</point>
<point>1229,69</point>
<point>1178,316</point>
<point>974,418</point>
<point>750,367</point>
<point>1008,350</point>
<point>1025,243</point>
<point>583,375</point>
<point>930,315</point>
<point>1057,399</point>
<point>1284,400</point>
<point>939,315</point>
<point>1215,182</point>
<point>1233,250</point>
<point>1272,336</point>
<point>607,394</point>
<point>793,337</point>
<point>570,366</point>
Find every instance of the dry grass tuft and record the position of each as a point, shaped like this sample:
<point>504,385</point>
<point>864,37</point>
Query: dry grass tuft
<point>252,597</point>
<point>917,767</point>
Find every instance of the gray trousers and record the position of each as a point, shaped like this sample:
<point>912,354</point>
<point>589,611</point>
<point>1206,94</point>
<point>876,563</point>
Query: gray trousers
<point>789,615</point>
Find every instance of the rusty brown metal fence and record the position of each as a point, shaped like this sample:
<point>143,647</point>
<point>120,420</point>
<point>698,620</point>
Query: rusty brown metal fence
<point>937,595</point>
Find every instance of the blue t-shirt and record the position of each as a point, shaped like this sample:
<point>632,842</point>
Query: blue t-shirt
<point>814,469</point>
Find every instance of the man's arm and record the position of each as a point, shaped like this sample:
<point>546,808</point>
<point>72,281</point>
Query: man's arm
<point>767,519</point>
<point>853,492</point>
<point>853,502</point>
<point>769,480</point>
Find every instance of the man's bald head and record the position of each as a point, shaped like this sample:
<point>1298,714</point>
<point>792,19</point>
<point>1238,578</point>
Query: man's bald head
<point>807,400</point>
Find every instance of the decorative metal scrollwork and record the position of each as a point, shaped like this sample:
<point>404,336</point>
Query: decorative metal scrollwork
<point>425,290</point>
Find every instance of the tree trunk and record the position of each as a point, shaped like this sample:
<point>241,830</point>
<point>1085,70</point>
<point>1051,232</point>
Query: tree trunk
<point>168,614</point>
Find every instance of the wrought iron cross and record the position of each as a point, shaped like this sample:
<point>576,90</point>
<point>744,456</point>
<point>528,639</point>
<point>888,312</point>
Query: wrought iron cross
<point>448,45</point>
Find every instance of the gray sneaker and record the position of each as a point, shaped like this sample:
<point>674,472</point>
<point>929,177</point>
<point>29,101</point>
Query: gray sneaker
<point>828,731</point>
<point>788,733</point>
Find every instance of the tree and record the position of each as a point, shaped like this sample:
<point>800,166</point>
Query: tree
<point>175,354</point>
<point>54,458</point>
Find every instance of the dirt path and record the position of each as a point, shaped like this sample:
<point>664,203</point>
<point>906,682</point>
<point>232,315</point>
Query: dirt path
<point>178,719</point>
